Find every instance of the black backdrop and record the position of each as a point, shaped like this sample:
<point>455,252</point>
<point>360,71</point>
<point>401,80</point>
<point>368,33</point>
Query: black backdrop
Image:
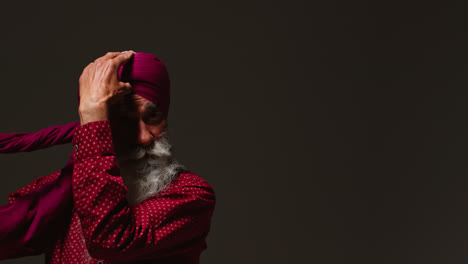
<point>332,131</point>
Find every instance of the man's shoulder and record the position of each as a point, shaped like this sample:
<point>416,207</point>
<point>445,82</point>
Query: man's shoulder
<point>187,186</point>
<point>190,178</point>
<point>187,180</point>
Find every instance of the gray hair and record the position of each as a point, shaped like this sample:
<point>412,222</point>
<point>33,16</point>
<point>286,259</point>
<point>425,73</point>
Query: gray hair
<point>148,170</point>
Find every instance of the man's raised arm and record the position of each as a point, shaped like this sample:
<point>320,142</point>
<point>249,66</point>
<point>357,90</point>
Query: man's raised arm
<point>174,222</point>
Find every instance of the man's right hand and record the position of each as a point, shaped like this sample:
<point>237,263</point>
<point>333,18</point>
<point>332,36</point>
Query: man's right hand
<point>99,84</point>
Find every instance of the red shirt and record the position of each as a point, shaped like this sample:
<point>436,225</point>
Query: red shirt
<point>170,227</point>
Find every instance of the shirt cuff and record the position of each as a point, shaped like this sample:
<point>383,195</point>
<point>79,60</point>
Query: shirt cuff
<point>92,139</point>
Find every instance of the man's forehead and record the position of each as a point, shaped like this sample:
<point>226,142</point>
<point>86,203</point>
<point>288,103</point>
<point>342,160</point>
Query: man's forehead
<point>132,102</point>
<point>139,100</point>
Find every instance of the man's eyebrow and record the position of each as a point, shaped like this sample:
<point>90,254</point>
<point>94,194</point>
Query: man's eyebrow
<point>152,113</point>
<point>151,107</point>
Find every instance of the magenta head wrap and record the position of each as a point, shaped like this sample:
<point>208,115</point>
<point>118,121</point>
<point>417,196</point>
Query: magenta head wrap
<point>149,78</point>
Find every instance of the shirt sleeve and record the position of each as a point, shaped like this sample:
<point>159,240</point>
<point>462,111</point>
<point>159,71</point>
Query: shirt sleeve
<point>176,221</point>
<point>34,217</point>
<point>33,186</point>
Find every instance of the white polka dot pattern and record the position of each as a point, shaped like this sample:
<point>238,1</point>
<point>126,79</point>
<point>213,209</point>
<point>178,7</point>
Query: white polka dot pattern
<point>104,228</point>
<point>170,227</point>
<point>37,183</point>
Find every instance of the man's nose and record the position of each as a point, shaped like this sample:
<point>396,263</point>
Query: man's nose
<point>144,135</point>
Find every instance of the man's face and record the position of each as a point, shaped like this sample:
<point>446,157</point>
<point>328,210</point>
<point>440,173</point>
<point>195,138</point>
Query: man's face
<point>135,122</point>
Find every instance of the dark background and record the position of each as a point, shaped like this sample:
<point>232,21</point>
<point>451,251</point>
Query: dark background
<point>332,131</point>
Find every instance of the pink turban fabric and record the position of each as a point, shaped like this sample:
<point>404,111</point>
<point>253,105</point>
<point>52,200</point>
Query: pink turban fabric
<point>149,78</point>
<point>26,224</point>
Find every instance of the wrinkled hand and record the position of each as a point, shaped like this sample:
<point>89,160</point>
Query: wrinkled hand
<point>100,85</point>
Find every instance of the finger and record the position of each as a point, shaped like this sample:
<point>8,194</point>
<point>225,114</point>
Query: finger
<point>123,58</point>
<point>114,65</point>
<point>125,88</point>
<point>109,69</point>
<point>108,56</point>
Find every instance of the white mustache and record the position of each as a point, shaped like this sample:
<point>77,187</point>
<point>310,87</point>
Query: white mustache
<point>158,149</point>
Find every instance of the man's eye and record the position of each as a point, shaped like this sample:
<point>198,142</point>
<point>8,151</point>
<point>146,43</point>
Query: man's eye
<point>153,117</point>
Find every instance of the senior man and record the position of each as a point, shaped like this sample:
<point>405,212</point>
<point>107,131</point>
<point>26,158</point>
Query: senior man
<point>129,201</point>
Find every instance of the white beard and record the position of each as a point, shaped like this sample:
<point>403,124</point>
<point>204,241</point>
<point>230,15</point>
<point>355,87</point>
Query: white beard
<point>147,170</point>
